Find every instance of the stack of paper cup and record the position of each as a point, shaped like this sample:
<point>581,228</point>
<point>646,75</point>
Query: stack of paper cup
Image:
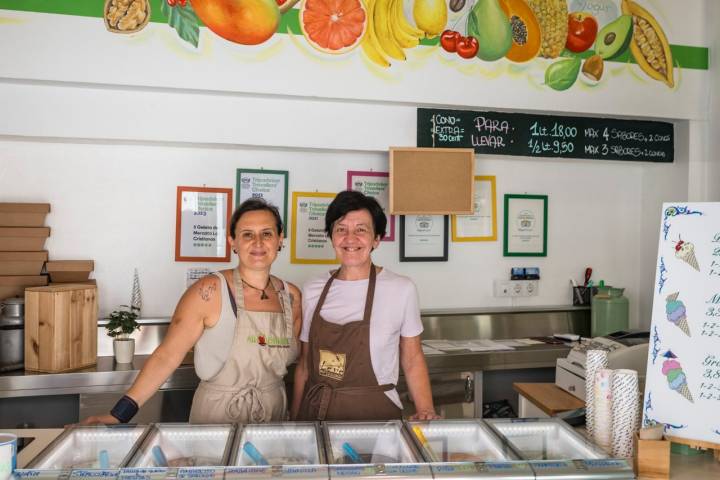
<point>602,432</point>
<point>625,408</point>
<point>595,360</point>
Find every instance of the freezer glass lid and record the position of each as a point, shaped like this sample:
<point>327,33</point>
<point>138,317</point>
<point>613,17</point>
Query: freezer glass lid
<point>89,447</point>
<point>279,444</point>
<point>368,442</point>
<point>183,446</point>
<point>546,440</point>
<point>458,441</point>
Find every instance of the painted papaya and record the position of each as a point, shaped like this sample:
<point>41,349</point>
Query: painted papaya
<point>526,36</point>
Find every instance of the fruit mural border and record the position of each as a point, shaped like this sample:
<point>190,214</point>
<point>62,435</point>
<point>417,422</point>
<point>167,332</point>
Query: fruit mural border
<point>517,30</point>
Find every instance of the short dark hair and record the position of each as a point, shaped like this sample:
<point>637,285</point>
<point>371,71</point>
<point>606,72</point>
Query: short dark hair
<point>351,200</point>
<point>251,205</point>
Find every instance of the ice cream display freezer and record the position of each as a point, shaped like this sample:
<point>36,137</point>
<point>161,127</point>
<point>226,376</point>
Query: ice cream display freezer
<point>89,448</point>
<point>290,450</point>
<point>520,449</point>
<point>555,450</point>
<point>372,449</point>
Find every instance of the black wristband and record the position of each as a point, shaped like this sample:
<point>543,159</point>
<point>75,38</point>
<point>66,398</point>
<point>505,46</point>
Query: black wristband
<point>125,409</point>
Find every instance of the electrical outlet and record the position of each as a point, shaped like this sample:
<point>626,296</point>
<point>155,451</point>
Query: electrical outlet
<point>502,288</point>
<point>516,288</point>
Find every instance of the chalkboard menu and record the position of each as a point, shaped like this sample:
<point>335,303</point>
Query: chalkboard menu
<point>530,135</point>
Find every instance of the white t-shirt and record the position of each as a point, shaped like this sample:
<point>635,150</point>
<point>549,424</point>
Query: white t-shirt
<point>395,313</point>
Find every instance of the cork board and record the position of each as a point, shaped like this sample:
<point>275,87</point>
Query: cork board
<point>435,181</point>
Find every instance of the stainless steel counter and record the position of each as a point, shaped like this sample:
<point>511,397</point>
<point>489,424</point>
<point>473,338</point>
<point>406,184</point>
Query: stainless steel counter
<point>106,376</point>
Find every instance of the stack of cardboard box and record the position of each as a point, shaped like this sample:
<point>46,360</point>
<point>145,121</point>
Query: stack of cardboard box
<point>22,238</point>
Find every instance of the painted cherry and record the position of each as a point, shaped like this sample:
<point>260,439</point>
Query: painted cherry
<point>449,39</point>
<point>467,47</point>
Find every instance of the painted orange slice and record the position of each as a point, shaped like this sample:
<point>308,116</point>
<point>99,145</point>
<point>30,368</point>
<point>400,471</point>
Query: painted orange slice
<point>333,26</point>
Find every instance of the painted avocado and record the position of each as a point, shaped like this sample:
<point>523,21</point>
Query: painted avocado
<point>491,27</point>
<point>614,38</point>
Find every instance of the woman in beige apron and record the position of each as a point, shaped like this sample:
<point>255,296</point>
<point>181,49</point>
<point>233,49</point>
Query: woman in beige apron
<point>349,363</point>
<point>243,324</point>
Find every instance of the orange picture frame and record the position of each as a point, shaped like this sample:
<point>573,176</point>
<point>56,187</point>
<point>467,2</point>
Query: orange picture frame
<point>207,234</point>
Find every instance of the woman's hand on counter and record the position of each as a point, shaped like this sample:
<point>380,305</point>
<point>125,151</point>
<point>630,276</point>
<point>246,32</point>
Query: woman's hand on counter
<point>106,419</point>
<point>425,415</point>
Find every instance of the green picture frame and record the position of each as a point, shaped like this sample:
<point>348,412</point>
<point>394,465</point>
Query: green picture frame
<point>245,189</point>
<point>524,231</point>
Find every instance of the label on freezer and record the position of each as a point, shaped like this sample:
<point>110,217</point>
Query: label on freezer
<point>143,473</point>
<point>606,464</point>
<point>380,469</point>
<point>40,474</point>
<point>553,465</point>
<point>94,473</point>
<point>203,473</point>
<point>503,467</point>
<point>297,471</point>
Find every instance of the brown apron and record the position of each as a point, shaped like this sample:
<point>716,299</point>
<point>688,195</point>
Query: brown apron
<point>341,384</point>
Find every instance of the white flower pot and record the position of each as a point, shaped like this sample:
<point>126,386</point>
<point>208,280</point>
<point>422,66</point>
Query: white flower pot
<point>124,349</point>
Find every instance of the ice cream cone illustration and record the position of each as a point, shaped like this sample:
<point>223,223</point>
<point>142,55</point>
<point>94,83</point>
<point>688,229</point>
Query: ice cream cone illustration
<point>685,251</point>
<point>675,376</point>
<point>676,313</point>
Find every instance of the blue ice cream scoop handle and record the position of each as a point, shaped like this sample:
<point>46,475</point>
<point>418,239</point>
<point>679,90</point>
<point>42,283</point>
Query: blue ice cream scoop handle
<point>104,459</point>
<point>159,456</point>
<point>350,452</point>
<point>254,454</point>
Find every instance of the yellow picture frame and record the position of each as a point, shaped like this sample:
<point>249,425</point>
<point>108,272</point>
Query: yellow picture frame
<point>457,236</point>
<point>296,252</point>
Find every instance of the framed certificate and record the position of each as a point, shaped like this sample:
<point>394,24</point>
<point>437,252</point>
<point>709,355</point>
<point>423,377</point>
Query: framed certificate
<point>481,226</point>
<point>376,185</point>
<point>525,226</point>
<point>308,242</point>
<point>424,238</point>
<point>270,185</point>
<point>201,224</point>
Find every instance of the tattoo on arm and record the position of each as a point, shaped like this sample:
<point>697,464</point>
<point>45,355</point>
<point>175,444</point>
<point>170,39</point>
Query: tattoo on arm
<point>206,290</point>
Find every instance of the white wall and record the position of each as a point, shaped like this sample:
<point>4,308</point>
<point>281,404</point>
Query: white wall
<point>115,203</point>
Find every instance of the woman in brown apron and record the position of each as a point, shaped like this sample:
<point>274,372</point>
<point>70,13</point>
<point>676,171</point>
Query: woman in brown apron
<point>335,378</point>
<point>243,324</point>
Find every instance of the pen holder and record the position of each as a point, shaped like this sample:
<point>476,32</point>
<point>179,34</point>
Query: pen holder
<point>583,295</point>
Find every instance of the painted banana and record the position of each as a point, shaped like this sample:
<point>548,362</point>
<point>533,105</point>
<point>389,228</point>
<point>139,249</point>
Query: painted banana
<point>381,24</point>
<point>402,35</point>
<point>369,43</point>
<point>402,21</point>
<point>649,44</point>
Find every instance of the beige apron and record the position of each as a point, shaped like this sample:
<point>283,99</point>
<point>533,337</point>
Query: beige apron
<point>249,387</point>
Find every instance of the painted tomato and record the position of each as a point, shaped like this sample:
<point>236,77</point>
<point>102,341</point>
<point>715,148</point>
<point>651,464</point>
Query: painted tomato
<point>582,30</point>
<point>448,40</point>
<point>467,47</point>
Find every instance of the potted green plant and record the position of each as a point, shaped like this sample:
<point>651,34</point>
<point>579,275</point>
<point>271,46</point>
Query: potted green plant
<point>122,323</point>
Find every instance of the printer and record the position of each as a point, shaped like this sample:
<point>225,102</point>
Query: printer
<point>625,350</point>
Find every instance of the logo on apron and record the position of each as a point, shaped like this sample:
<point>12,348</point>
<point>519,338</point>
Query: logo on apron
<point>332,364</point>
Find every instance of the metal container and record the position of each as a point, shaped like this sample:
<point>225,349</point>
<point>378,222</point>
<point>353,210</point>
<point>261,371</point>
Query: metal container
<point>610,311</point>
<point>544,439</point>
<point>372,449</point>
<point>466,449</point>
<point>184,445</point>
<point>12,334</point>
<point>458,441</point>
<point>289,450</point>
<point>84,447</point>
<point>278,444</point>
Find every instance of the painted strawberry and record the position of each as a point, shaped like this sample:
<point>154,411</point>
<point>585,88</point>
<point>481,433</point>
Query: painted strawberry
<point>261,340</point>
